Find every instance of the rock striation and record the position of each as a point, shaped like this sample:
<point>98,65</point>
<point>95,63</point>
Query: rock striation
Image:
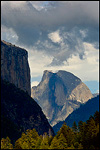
<point>81,114</point>
<point>14,66</point>
<point>59,94</point>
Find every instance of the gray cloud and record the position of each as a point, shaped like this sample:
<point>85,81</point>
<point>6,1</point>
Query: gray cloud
<point>32,24</point>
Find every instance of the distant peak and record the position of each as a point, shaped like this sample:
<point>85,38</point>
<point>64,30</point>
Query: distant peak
<point>7,43</point>
<point>51,71</point>
<point>47,74</point>
<point>48,71</point>
<point>14,46</point>
<point>57,71</point>
<point>62,71</point>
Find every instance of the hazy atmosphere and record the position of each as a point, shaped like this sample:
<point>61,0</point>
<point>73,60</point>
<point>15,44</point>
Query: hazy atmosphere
<point>58,35</point>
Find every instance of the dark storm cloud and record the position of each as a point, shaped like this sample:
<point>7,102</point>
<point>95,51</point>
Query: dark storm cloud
<point>32,26</point>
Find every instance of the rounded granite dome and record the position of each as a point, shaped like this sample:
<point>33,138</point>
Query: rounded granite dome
<point>59,94</point>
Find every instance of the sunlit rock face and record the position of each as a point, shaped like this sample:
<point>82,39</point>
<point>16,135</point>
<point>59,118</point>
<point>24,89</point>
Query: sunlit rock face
<point>83,113</point>
<point>59,94</point>
<point>14,66</point>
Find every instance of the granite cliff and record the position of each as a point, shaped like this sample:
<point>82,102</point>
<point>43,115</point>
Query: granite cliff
<point>19,111</point>
<point>81,114</point>
<point>59,94</point>
<point>14,66</point>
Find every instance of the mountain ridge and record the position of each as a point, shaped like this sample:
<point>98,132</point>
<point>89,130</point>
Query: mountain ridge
<point>21,112</point>
<point>80,114</point>
<point>57,92</point>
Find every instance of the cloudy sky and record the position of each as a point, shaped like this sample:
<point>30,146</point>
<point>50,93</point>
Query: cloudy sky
<point>58,35</point>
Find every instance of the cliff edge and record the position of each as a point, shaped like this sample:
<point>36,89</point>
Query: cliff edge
<point>14,66</point>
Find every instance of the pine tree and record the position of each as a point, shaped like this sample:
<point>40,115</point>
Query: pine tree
<point>38,143</point>
<point>50,140</point>
<point>80,146</point>
<point>45,142</point>
<point>82,133</point>
<point>62,142</point>
<point>80,123</point>
<point>96,117</point>
<point>76,144</point>
<point>28,140</point>
<point>91,132</point>
<point>74,127</point>
<point>55,144</point>
<point>6,143</point>
<point>67,133</point>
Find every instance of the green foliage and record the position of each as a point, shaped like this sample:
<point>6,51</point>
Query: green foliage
<point>80,125</point>
<point>67,133</point>
<point>45,142</point>
<point>38,143</point>
<point>6,143</point>
<point>80,146</point>
<point>59,143</point>
<point>85,136</point>
<point>74,127</point>
<point>71,147</point>
<point>62,142</point>
<point>76,144</point>
<point>96,117</point>
<point>28,140</point>
<point>89,132</point>
<point>54,143</point>
<point>50,140</point>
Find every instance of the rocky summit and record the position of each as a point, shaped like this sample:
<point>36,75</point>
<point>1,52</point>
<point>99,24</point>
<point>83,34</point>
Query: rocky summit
<point>59,94</point>
<point>14,66</point>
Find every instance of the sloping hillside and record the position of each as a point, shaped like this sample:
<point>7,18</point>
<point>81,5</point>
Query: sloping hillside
<point>20,112</point>
<point>81,114</point>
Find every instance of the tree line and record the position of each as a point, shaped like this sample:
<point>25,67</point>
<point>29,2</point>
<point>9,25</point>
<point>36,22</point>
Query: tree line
<point>85,135</point>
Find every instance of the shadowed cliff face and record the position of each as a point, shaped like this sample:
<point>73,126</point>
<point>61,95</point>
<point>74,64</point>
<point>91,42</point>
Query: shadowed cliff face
<point>20,112</point>
<point>59,94</point>
<point>14,66</point>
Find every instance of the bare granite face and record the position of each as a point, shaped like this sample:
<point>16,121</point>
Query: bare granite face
<point>14,66</point>
<point>59,94</point>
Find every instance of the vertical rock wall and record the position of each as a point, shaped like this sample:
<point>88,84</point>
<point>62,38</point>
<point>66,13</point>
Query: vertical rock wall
<point>14,66</point>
